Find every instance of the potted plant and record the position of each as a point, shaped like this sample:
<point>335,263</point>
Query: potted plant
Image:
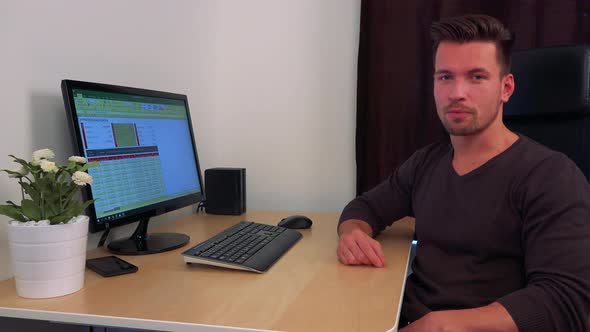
<point>47,235</point>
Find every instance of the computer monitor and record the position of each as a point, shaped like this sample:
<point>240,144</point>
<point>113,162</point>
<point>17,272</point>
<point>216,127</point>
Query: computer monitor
<point>148,163</point>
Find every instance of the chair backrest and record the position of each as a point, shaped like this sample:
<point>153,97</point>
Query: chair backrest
<point>551,102</point>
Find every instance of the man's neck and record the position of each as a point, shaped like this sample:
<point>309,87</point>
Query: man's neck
<point>471,152</point>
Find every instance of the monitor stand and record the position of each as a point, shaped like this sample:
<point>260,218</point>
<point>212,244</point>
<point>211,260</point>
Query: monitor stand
<point>142,243</point>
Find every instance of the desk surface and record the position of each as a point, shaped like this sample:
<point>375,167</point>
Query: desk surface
<point>306,290</point>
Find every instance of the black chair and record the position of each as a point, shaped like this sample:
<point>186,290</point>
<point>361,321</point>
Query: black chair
<point>551,103</point>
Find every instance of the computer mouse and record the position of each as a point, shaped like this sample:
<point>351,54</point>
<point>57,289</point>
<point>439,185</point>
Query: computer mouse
<point>295,222</point>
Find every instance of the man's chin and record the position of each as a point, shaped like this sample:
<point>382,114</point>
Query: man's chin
<point>464,131</point>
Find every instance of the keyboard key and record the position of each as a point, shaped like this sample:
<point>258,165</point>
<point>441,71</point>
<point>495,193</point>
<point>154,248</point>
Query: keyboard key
<point>256,248</point>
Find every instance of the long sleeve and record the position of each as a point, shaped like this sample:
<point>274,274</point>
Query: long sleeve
<point>380,206</point>
<point>555,206</point>
<point>392,199</point>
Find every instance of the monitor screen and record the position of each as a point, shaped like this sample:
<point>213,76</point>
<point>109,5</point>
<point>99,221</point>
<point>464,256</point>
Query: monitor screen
<point>144,143</point>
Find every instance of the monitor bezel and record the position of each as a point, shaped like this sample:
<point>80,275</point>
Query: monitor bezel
<point>147,211</point>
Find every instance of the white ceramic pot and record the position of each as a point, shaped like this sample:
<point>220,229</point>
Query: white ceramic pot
<point>48,261</point>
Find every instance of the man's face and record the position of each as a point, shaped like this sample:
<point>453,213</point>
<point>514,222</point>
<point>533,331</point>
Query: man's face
<point>468,88</point>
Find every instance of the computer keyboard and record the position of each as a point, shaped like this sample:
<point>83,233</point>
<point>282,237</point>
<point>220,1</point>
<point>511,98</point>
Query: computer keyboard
<point>246,246</point>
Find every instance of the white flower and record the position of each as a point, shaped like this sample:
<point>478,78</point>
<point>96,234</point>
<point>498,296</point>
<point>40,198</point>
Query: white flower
<point>77,159</point>
<point>48,166</point>
<point>22,171</point>
<point>81,178</point>
<point>43,154</point>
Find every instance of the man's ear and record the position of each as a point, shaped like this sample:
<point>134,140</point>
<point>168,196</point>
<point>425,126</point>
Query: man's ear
<point>507,87</point>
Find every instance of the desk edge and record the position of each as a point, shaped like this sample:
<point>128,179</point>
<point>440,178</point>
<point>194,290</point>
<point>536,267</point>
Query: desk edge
<point>114,321</point>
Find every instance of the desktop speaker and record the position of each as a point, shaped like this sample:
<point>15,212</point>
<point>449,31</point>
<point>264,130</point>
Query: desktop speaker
<point>225,191</point>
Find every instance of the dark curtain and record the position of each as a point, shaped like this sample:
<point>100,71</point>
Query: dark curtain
<point>395,106</point>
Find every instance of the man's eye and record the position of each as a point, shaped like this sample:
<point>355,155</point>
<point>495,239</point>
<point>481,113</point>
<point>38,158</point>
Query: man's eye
<point>478,77</point>
<point>444,77</point>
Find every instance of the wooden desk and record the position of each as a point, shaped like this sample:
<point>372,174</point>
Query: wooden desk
<point>306,290</point>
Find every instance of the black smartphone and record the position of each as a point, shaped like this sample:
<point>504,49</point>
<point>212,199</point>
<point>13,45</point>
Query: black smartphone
<point>110,266</point>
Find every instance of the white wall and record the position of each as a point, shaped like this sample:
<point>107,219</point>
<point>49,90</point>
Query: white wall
<point>271,85</point>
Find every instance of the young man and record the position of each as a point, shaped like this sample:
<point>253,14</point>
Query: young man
<point>503,223</point>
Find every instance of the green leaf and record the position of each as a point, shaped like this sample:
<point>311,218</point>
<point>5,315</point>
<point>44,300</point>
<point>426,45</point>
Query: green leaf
<point>88,165</point>
<point>36,171</point>
<point>31,210</point>
<point>68,213</point>
<point>84,206</point>
<point>12,173</point>
<point>58,175</point>
<point>18,160</point>
<point>13,212</point>
<point>51,195</point>
<point>70,192</point>
<point>51,210</point>
<point>21,161</point>
<point>83,168</point>
<point>74,210</point>
<point>43,185</point>
<point>71,167</point>
<point>59,219</point>
<point>31,191</point>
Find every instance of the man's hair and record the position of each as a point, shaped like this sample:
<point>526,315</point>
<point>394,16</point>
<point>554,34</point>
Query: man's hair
<point>470,28</point>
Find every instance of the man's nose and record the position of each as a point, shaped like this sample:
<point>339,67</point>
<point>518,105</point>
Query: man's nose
<point>458,90</point>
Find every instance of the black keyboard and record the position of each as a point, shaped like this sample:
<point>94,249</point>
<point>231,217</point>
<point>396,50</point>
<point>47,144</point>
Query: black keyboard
<point>246,245</point>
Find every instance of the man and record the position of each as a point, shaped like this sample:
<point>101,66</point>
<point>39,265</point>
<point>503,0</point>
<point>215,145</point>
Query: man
<point>503,223</point>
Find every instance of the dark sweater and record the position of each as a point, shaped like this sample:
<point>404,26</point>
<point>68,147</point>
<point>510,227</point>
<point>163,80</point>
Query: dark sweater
<point>515,231</point>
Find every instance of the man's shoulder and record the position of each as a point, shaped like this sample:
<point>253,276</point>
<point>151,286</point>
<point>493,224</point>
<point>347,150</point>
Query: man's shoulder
<point>535,162</point>
<point>427,157</point>
<point>433,151</point>
<point>532,153</point>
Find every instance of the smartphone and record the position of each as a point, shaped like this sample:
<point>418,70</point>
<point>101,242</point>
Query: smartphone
<point>110,266</point>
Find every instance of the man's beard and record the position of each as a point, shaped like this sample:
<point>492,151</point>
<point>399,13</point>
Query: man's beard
<point>472,128</point>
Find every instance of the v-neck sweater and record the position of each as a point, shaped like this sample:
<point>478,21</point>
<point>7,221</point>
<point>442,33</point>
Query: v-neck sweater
<point>515,230</point>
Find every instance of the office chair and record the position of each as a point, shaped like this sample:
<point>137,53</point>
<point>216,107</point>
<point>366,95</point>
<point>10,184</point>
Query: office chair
<point>551,102</point>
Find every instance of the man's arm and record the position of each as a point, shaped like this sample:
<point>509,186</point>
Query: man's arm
<point>364,217</point>
<point>367,215</point>
<point>555,205</point>
<point>490,318</point>
<point>391,199</point>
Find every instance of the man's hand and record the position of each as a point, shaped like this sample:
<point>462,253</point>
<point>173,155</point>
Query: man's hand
<point>356,247</point>
<point>490,318</point>
<point>435,321</point>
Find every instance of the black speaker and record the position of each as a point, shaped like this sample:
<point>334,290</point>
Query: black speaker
<point>225,191</point>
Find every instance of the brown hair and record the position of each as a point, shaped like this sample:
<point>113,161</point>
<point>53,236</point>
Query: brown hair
<point>468,28</point>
